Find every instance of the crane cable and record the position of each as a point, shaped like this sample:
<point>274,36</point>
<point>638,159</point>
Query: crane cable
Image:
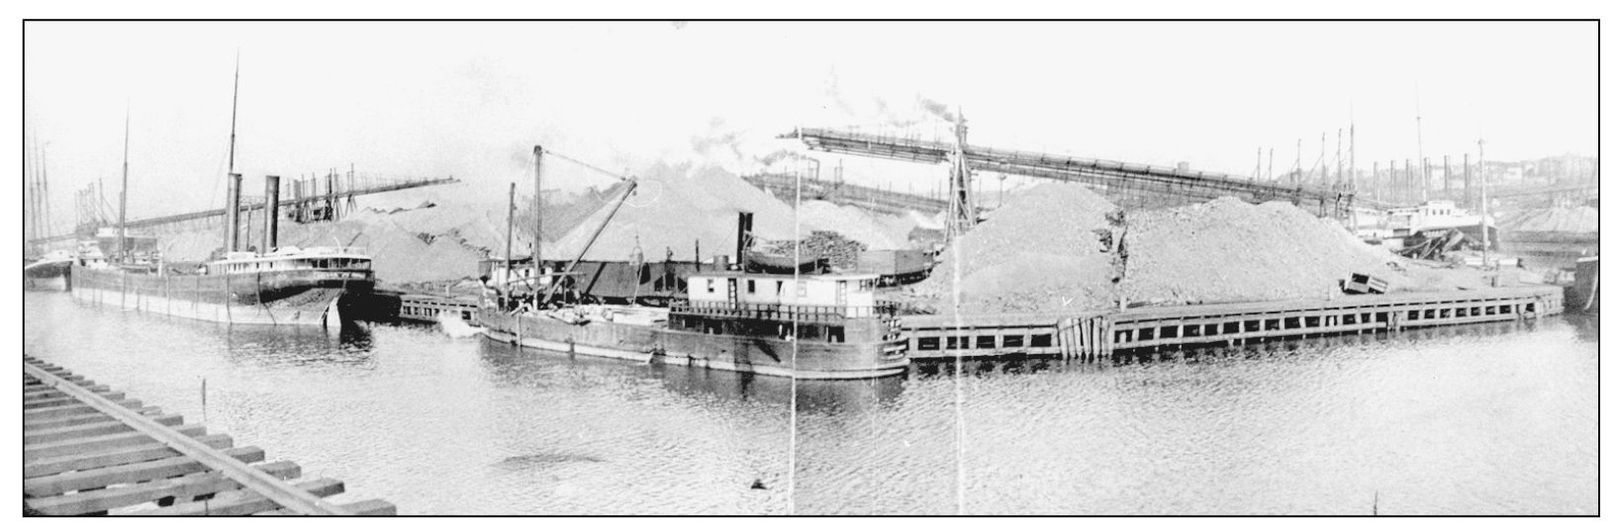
<point>603,171</point>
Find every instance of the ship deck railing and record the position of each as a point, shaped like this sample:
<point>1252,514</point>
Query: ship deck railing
<point>783,312</point>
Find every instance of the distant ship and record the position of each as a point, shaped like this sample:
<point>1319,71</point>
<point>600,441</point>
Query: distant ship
<point>1401,224</point>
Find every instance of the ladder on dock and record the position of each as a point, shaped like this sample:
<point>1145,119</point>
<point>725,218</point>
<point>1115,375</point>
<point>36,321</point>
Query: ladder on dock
<point>87,450</point>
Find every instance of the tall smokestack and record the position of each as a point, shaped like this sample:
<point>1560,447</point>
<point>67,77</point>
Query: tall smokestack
<point>743,234</point>
<point>233,213</point>
<point>272,207</point>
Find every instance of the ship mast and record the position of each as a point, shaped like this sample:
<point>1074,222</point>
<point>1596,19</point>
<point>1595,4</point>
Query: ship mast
<point>123,197</point>
<point>232,218</point>
<point>538,221</point>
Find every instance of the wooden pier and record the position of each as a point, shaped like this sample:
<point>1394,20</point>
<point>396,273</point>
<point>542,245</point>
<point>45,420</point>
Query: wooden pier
<point>88,450</point>
<point>1092,335</point>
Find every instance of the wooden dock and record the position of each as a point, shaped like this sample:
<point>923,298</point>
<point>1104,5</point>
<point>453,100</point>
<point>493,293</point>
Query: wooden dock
<point>88,450</point>
<point>1091,335</point>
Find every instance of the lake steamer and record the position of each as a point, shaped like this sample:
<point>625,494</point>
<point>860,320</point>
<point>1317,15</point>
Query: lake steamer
<point>289,286</point>
<point>808,327</point>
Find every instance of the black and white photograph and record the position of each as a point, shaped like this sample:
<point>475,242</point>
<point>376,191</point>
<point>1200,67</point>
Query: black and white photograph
<point>763,267</point>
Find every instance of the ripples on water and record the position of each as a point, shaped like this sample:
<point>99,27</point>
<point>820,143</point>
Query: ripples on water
<point>1494,419</point>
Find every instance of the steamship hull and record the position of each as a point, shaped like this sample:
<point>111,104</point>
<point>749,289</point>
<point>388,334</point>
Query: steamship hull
<point>806,360</point>
<point>292,297</point>
<point>46,275</point>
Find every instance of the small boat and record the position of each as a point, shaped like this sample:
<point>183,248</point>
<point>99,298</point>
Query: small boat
<point>49,272</point>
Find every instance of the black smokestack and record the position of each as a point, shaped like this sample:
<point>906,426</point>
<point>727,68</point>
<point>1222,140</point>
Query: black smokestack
<point>743,238</point>
<point>233,214</point>
<point>272,208</point>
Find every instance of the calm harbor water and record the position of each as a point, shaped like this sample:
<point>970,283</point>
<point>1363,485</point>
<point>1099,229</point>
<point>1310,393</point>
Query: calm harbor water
<point>1493,419</point>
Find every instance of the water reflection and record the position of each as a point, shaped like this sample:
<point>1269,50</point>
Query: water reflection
<point>1492,418</point>
<point>295,346</point>
<point>513,366</point>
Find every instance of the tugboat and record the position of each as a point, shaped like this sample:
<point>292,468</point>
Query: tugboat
<point>825,326</point>
<point>805,327</point>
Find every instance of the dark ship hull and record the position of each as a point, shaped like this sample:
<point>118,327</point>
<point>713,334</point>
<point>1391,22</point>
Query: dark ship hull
<point>290,297</point>
<point>732,352</point>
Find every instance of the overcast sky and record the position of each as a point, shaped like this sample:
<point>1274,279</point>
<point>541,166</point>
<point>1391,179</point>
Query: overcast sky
<point>471,99</point>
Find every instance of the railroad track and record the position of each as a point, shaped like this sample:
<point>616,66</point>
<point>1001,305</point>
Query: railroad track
<point>88,450</point>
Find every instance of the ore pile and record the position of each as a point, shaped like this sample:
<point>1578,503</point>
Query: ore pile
<point>840,251</point>
<point>674,209</point>
<point>1049,248</point>
<point>1227,250</point>
<point>1062,248</point>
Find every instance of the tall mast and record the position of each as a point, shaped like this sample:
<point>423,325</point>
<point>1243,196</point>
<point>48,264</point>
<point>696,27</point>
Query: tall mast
<point>32,197</point>
<point>123,196</point>
<point>1420,146</point>
<point>44,190</point>
<point>1483,170</point>
<point>235,89</point>
<point>510,222</point>
<point>233,186</point>
<point>538,219</point>
<point>1352,154</point>
<point>1271,175</point>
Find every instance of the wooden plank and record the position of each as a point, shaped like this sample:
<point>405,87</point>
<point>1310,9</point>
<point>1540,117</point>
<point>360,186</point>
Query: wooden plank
<point>76,420</point>
<point>58,412</point>
<point>127,473</point>
<point>53,393</point>
<point>35,388</point>
<point>372,507</point>
<point>81,446</point>
<point>184,487</point>
<point>89,430</point>
<point>244,502</point>
<point>279,512</point>
<point>64,401</point>
<point>114,457</point>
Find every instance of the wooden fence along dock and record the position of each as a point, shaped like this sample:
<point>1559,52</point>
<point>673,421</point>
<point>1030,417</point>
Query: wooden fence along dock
<point>1099,335</point>
<point>87,450</point>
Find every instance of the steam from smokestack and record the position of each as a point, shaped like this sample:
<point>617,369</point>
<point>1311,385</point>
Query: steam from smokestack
<point>939,109</point>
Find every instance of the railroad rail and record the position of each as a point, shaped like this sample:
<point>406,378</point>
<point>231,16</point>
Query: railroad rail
<point>88,450</point>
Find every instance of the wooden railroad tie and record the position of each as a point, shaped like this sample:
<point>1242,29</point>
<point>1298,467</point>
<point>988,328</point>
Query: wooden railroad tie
<point>88,450</point>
